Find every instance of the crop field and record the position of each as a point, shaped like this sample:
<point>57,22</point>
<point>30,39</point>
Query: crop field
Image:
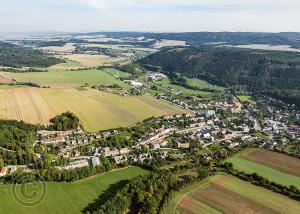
<point>96,110</point>
<point>276,167</point>
<point>92,60</point>
<point>227,194</point>
<point>66,47</point>
<point>68,79</point>
<point>67,197</point>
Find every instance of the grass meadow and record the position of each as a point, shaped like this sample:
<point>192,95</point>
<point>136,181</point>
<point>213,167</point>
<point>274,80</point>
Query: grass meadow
<point>67,197</point>
<point>69,79</point>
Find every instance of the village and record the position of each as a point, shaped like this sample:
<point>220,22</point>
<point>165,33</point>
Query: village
<point>222,122</point>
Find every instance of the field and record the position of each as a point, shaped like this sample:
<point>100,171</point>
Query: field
<point>68,79</point>
<point>167,84</point>
<point>202,84</point>
<point>227,194</point>
<point>96,110</point>
<point>92,60</point>
<point>247,99</point>
<point>276,167</point>
<point>270,47</point>
<point>167,43</point>
<point>67,197</point>
<point>66,48</point>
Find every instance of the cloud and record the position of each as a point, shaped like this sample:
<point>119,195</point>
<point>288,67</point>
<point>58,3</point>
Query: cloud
<point>213,4</point>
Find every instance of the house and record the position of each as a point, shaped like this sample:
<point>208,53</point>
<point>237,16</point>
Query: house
<point>95,161</point>
<point>182,145</point>
<point>135,83</point>
<point>3,172</point>
<point>210,113</point>
<point>154,146</point>
<point>111,153</point>
<point>120,159</point>
<point>124,151</point>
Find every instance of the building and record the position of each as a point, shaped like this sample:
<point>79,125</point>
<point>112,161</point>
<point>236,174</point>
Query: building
<point>3,172</point>
<point>75,164</point>
<point>154,146</point>
<point>182,145</point>
<point>95,161</point>
<point>124,151</point>
<point>135,83</point>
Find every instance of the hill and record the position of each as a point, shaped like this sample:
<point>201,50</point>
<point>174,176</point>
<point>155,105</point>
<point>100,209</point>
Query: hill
<point>272,72</point>
<point>18,56</point>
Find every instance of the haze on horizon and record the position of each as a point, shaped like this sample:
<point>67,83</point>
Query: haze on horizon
<point>149,15</point>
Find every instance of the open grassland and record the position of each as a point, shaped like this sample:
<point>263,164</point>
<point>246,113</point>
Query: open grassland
<point>68,79</point>
<point>247,99</point>
<point>96,110</point>
<point>67,197</point>
<point>275,167</point>
<point>227,194</point>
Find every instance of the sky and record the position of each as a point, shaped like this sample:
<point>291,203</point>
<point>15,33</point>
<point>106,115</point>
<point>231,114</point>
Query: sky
<point>149,15</point>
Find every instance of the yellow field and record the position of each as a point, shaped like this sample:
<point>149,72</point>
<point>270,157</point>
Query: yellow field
<point>92,60</point>
<point>66,48</point>
<point>96,110</point>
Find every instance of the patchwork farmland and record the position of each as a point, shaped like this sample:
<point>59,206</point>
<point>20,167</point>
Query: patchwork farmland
<point>96,110</point>
<point>227,194</point>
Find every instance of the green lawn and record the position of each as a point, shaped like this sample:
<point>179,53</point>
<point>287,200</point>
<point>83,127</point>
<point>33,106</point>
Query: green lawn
<point>67,197</point>
<point>68,79</point>
<point>271,174</point>
<point>248,99</point>
<point>4,86</point>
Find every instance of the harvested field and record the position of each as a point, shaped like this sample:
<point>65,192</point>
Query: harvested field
<point>166,43</point>
<point>92,60</point>
<point>275,160</point>
<point>227,194</point>
<point>96,110</point>
<point>66,48</point>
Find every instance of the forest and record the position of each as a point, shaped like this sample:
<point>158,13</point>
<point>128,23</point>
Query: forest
<point>268,72</point>
<point>18,56</point>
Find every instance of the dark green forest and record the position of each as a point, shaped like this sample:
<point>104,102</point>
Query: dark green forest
<point>18,56</point>
<point>269,72</point>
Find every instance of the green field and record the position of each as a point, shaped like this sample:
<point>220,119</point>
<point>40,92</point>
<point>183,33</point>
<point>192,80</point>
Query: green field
<point>67,197</point>
<point>271,174</point>
<point>227,194</point>
<point>68,79</point>
<point>248,99</point>
<point>166,83</point>
<point>202,84</point>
